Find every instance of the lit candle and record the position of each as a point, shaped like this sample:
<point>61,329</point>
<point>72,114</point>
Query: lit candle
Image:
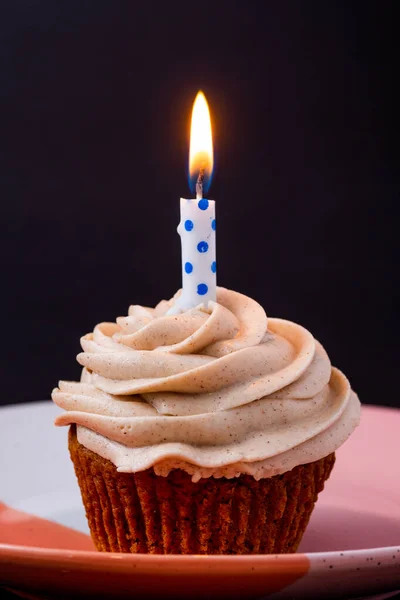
<point>197,224</point>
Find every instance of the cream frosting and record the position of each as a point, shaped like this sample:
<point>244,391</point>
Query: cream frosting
<point>215,392</point>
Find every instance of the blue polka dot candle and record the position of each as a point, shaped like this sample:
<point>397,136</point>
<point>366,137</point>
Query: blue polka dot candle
<point>197,227</point>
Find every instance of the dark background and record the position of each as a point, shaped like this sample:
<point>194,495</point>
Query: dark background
<point>95,101</point>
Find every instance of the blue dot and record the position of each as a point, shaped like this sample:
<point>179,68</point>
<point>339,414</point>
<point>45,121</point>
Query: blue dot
<point>202,289</point>
<point>203,204</point>
<point>188,267</point>
<point>189,225</point>
<point>214,267</point>
<point>202,247</point>
<point>214,224</point>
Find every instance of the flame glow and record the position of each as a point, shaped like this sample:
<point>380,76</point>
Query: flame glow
<point>201,154</point>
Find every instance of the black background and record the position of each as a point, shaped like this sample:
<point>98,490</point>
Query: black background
<point>94,124</point>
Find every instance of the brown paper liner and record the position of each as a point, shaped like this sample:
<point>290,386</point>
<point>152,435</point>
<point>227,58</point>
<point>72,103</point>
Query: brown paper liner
<point>144,512</point>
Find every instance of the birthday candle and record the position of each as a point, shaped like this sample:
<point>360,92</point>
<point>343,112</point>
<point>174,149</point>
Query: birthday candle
<point>198,226</point>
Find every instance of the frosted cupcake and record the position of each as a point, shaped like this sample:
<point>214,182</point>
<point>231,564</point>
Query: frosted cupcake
<point>207,432</point>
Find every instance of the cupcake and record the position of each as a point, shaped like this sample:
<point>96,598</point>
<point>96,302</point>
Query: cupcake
<point>207,432</point>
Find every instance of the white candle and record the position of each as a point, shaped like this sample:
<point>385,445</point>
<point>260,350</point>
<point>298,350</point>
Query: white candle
<point>199,267</point>
<point>197,225</point>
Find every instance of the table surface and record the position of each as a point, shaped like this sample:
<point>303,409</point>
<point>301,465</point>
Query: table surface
<point>7,595</point>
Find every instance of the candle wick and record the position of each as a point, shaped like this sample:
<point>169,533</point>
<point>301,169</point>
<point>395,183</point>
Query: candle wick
<point>199,184</point>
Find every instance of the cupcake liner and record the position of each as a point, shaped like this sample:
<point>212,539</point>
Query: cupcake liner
<point>145,512</point>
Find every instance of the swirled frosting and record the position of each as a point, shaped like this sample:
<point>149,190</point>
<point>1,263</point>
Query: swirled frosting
<point>215,392</point>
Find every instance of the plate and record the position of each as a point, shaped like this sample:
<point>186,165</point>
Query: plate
<point>351,547</point>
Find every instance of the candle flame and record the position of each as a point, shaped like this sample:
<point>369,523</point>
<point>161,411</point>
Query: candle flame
<point>201,157</point>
